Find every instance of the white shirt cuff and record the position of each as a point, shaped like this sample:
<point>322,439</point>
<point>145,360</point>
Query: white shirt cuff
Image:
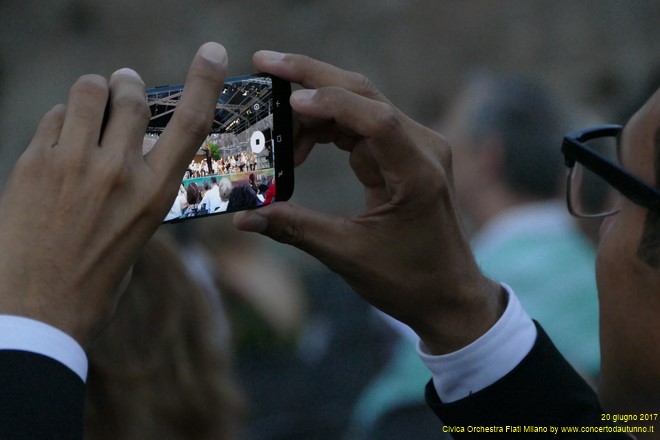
<point>24,334</point>
<point>485,361</point>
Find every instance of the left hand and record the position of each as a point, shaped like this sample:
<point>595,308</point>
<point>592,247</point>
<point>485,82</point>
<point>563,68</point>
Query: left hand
<point>82,200</point>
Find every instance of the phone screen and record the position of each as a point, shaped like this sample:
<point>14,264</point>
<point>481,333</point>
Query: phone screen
<point>246,161</point>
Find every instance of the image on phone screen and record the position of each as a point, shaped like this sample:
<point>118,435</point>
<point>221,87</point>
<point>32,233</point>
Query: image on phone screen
<point>246,161</point>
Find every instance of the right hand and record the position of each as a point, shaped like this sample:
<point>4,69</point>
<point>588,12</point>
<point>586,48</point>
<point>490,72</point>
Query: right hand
<point>406,254</point>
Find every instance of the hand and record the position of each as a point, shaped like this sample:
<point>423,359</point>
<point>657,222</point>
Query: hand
<point>82,200</point>
<point>406,254</point>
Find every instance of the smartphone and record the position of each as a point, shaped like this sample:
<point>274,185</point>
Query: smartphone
<point>246,161</point>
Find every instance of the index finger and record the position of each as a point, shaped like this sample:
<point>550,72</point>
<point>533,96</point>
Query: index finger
<point>376,125</point>
<point>192,118</point>
<point>314,74</point>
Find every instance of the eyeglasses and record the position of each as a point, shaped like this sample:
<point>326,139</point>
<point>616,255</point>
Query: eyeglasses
<point>596,180</point>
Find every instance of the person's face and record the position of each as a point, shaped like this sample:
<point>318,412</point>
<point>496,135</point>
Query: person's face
<point>628,275</point>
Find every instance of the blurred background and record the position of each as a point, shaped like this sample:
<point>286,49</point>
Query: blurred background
<point>599,52</point>
<point>598,56</point>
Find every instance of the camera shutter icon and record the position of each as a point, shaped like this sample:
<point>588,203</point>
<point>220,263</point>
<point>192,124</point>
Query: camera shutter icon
<point>257,142</point>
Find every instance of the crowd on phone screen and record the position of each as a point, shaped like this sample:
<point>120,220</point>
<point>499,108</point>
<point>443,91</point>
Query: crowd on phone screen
<point>215,196</point>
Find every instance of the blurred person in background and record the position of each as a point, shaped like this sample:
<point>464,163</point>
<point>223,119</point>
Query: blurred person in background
<point>242,197</point>
<point>508,173</point>
<point>224,187</point>
<point>292,326</point>
<point>179,206</point>
<point>193,197</point>
<point>162,368</point>
<point>211,200</point>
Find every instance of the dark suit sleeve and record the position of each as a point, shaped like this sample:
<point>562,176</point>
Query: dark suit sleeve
<point>543,390</point>
<point>40,398</point>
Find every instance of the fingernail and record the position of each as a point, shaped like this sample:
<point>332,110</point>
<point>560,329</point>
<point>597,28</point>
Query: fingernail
<point>214,52</point>
<point>303,95</point>
<point>128,72</point>
<point>252,221</point>
<point>271,56</point>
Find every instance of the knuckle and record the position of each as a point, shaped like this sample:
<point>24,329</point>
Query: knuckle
<point>326,97</point>
<point>73,163</point>
<point>205,70</point>
<point>118,179</point>
<point>363,85</point>
<point>295,234</point>
<point>288,228</point>
<point>386,118</point>
<point>291,234</point>
<point>112,168</point>
<point>298,60</point>
<point>133,104</point>
<point>120,173</point>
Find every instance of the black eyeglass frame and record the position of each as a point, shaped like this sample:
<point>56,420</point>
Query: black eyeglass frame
<point>627,184</point>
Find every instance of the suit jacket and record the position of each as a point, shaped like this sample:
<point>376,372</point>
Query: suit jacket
<point>39,398</point>
<point>543,390</point>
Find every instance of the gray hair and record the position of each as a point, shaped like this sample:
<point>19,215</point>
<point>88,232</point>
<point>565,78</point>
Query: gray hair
<point>225,188</point>
<point>530,124</point>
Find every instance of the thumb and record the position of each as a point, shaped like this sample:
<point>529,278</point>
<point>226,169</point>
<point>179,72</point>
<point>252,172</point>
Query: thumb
<point>320,235</point>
